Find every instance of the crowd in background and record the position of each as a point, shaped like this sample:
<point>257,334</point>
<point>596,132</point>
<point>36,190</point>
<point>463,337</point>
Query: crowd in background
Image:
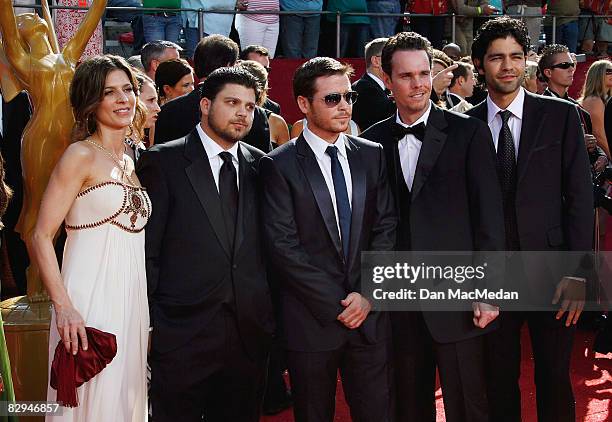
<point>578,23</point>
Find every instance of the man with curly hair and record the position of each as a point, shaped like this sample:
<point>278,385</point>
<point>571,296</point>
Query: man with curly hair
<point>543,170</point>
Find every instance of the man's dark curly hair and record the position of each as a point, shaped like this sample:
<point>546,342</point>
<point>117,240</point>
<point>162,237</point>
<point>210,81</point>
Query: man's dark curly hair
<point>216,81</point>
<point>404,41</point>
<point>495,29</point>
<point>548,57</point>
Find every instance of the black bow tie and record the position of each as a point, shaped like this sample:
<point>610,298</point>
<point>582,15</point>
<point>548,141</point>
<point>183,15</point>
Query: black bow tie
<point>418,131</point>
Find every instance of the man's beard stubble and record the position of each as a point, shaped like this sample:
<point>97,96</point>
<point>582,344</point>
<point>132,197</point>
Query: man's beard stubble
<point>226,133</point>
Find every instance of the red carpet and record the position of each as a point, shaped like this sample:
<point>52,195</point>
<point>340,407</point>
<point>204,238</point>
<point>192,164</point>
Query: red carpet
<point>591,375</point>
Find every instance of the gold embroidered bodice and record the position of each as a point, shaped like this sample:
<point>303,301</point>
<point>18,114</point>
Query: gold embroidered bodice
<point>111,202</point>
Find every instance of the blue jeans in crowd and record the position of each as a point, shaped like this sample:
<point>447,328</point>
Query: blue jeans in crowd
<point>133,17</point>
<point>566,34</point>
<point>159,27</point>
<point>300,35</point>
<point>381,27</point>
<point>431,27</point>
<point>192,38</point>
<point>353,38</point>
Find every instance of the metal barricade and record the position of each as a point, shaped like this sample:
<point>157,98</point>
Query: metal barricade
<point>338,16</point>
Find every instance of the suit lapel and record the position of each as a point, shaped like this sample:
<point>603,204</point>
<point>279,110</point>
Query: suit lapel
<point>435,137</point>
<point>200,175</point>
<point>246,193</point>
<point>358,179</point>
<point>308,162</point>
<point>480,111</point>
<point>531,125</point>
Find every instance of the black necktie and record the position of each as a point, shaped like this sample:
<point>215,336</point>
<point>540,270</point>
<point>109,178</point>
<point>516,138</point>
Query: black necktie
<point>228,192</point>
<point>342,200</point>
<point>418,131</point>
<point>506,170</point>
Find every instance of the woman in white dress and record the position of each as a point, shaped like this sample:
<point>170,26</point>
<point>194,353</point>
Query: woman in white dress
<point>95,192</point>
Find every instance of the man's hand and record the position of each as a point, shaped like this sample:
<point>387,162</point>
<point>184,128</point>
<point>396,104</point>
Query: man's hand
<point>590,142</point>
<point>574,293</point>
<point>443,79</point>
<point>356,310</point>
<point>484,314</point>
<point>600,164</point>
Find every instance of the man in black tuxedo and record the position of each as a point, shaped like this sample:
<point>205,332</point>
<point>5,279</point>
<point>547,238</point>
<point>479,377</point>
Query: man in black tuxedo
<point>548,206</point>
<point>179,116</point>
<point>209,299</point>
<point>326,199</point>
<point>15,116</point>
<point>443,177</point>
<point>374,102</point>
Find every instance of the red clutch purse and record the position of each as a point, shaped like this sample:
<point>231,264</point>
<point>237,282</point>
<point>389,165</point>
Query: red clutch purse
<point>70,371</point>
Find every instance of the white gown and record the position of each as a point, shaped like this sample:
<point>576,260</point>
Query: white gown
<point>104,273</point>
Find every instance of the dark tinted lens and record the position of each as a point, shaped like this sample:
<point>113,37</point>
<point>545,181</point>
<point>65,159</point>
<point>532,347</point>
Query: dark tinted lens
<point>332,99</point>
<point>608,71</point>
<point>564,65</point>
<point>351,97</point>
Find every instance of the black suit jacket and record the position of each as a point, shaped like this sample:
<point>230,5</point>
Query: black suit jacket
<point>190,264</point>
<point>179,116</point>
<point>272,106</point>
<point>585,116</point>
<point>554,194</point>
<point>15,116</point>
<point>373,104</point>
<point>455,203</point>
<point>304,243</point>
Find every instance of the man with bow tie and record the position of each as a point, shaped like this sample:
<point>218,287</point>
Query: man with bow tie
<point>443,176</point>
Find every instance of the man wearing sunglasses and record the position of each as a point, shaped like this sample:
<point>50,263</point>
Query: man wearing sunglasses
<point>326,198</point>
<point>557,68</point>
<point>442,174</point>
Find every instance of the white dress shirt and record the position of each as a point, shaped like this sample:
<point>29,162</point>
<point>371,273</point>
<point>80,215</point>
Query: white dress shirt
<point>410,147</point>
<point>516,119</point>
<point>212,152</point>
<point>319,146</point>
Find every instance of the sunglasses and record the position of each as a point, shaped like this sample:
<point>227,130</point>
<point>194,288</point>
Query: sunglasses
<point>333,99</point>
<point>563,65</point>
<point>608,71</point>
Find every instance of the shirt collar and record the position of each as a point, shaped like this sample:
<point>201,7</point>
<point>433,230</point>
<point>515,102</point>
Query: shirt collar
<point>515,107</point>
<point>377,80</point>
<point>423,119</point>
<point>554,93</point>
<point>319,146</point>
<point>212,148</point>
<point>456,95</point>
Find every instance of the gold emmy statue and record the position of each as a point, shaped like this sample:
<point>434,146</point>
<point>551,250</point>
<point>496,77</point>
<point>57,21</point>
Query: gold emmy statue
<point>34,62</point>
